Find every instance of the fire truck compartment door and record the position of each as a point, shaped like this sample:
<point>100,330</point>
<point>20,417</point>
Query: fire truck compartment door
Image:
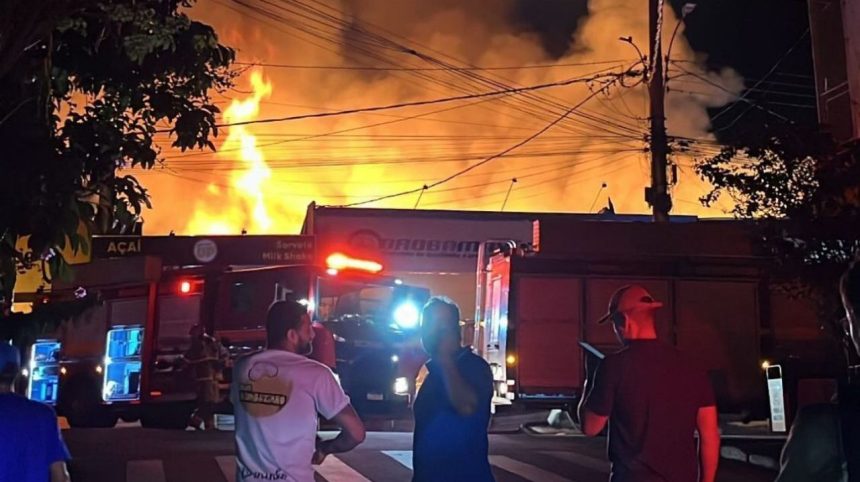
<point>548,327</point>
<point>717,325</point>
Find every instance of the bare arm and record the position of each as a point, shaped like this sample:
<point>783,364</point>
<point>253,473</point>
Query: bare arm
<point>592,423</point>
<point>59,472</point>
<point>351,434</point>
<point>461,394</point>
<point>709,442</point>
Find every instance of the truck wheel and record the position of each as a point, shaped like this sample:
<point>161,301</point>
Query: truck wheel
<point>173,417</point>
<point>83,408</point>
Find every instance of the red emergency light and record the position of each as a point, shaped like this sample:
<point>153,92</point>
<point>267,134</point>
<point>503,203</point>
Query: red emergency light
<point>340,261</point>
<point>185,287</point>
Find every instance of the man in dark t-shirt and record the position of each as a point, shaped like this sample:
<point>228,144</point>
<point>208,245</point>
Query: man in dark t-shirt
<point>654,399</point>
<point>452,409</point>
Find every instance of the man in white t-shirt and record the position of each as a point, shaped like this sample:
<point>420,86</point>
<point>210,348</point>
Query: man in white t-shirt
<point>277,394</point>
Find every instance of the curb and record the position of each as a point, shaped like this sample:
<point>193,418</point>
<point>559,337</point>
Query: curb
<point>529,429</point>
<point>730,452</point>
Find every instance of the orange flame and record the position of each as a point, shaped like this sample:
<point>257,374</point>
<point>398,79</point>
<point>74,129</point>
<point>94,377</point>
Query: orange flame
<point>264,175</point>
<point>247,186</point>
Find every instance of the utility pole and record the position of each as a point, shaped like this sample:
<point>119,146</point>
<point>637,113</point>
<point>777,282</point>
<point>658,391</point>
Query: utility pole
<point>658,194</point>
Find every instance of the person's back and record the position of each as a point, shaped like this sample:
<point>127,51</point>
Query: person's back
<point>31,448</point>
<point>277,395</point>
<point>29,439</point>
<point>654,413</point>
<point>653,398</point>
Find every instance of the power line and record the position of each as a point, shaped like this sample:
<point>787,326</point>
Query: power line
<point>555,164</point>
<point>356,27</point>
<point>488,159</point>
<point>769,72</point>
<point>556,167</point>
<point>508,195</point>
<point>369,40</point>
<point>343,131</point>
<point>516,90</point>
<point>361,41</point>
<point>786,104</point>
<point>755,89</point>
<point>212,166</point>
<point>425,69</point>
<point>544,182</point>
<point>741,98</point>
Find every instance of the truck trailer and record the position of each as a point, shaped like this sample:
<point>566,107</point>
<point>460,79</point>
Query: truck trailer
<point>537,302</point>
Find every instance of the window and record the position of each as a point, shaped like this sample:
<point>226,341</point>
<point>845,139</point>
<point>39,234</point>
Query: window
<point>241,298</point>
<point>176,315</point>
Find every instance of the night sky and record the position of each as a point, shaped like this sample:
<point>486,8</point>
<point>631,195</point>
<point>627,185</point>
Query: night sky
<point>747,35</point>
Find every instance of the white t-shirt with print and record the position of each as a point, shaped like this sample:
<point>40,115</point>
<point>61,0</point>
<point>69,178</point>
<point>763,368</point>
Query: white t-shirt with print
<point>276,396</point>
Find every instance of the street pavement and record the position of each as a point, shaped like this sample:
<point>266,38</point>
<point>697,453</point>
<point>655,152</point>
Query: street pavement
<point>134,454</point>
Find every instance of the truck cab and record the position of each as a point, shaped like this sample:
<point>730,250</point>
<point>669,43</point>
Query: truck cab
<point>123,356</point>
<point>372,321</point>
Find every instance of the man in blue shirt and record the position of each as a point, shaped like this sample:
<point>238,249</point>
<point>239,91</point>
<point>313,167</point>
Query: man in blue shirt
<point>452,409</point>
<point>31,448</point>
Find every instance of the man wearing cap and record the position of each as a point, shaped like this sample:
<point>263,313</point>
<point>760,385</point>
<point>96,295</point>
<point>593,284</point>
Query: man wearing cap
<point>31,447</point>
<point>653,398</point>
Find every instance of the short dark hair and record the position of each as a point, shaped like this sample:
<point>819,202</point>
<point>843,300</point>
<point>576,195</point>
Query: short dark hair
<point>8,373</point>
<point>448,305</point>
<point>282,317</point>
<point>849,284</point>
<point>8,377</point>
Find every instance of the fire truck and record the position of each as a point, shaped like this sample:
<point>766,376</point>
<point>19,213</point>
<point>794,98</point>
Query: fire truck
<point>536,302</point>
<point>123,357</point>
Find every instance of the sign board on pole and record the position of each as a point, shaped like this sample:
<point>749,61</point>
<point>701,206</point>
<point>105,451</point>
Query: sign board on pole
<point>777,399</point>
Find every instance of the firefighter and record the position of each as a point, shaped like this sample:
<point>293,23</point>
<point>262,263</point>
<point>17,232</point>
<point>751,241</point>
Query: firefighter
<point>205,359</point>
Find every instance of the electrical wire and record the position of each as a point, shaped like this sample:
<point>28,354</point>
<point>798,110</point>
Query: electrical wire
<point>484,161</point>
<point>417,103</point>
<point>424,69</point>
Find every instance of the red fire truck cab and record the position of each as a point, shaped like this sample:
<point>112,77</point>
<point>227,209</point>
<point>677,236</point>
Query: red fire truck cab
<point>123,357</point>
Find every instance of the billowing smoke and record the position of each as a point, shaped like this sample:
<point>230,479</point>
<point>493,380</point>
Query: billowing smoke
<point>386,52</point>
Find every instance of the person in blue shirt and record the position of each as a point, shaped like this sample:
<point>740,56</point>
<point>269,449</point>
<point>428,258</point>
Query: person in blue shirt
<point>452,409</point>
<point>31,447</point>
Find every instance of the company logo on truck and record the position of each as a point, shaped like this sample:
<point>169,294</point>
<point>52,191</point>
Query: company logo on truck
<point>370,241</point>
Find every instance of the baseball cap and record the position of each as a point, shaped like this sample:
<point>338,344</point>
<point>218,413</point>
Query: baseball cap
<point>630,298</point>
<point>10,358</point>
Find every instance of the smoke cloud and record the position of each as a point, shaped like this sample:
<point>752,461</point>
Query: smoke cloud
<point>371,44</point>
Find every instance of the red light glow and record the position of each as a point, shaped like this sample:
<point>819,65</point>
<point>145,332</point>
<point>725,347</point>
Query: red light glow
<point>340,261</point>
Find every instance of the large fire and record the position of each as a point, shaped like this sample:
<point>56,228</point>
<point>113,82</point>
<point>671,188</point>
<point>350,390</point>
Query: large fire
<point>316,60</point>
<point>243,206</point>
